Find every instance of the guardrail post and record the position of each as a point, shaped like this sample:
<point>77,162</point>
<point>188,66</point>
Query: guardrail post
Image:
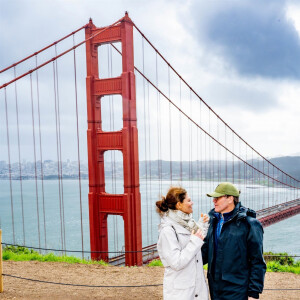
<point>1,268</point>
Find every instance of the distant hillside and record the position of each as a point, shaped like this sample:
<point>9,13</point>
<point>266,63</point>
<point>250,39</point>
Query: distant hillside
<point>208,170</point>
<point>288,164</point>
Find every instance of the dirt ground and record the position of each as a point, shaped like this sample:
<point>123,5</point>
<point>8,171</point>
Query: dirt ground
<point>15,288</point>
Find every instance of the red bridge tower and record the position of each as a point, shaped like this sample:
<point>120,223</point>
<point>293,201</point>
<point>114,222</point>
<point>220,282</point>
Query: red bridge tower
<point>101,204</point>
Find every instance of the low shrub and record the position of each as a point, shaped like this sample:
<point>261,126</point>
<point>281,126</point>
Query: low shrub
<point>282,258</point>
<point>155,263</point>
<point>281,262</point>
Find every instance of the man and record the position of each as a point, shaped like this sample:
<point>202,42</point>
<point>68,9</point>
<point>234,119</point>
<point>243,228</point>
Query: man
<point>233,248</point>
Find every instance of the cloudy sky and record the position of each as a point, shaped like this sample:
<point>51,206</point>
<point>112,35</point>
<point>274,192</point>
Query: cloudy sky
<point>242,57</point>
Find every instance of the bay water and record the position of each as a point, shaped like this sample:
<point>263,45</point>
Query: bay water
<point>50,215</point>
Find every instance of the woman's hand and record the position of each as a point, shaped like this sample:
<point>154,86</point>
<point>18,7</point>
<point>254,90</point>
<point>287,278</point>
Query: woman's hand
<point>198,234</point>
<point>203,224</point>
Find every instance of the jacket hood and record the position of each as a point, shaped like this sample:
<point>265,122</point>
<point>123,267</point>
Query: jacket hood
<point>244,211</point>
<point>240,211</point>
<point>164,221</point>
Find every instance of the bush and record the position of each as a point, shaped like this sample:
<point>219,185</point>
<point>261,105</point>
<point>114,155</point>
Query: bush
<point>19,249</point>
<point>283,258</point>
<point>155,263</point>
<point>281,263</point>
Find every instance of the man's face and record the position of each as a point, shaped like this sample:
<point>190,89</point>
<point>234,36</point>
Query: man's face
<point>223,204</point>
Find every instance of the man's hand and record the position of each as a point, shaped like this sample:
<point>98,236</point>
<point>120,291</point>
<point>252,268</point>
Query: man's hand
<point>251,298</point>
<point>205,217</point>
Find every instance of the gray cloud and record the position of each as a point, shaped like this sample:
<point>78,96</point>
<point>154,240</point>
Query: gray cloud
<point>244,97</point>
<point>255,37</point>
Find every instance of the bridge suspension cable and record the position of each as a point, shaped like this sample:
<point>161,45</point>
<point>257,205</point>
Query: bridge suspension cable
<point>19,159</point>
<point>41,154</point>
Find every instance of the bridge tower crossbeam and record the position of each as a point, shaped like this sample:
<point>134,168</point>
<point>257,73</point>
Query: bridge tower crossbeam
<point>102,204</point>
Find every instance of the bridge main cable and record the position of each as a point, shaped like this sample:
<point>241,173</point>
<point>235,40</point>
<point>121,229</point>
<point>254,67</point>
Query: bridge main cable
<point>156,50</point>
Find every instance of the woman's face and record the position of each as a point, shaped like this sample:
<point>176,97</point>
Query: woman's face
<point>186,206</point>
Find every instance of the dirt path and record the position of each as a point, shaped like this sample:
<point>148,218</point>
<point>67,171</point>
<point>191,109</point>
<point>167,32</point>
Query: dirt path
<point>98,275</point>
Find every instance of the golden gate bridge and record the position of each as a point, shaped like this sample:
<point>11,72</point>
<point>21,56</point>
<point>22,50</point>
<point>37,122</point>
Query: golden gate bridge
<point>146,128</point>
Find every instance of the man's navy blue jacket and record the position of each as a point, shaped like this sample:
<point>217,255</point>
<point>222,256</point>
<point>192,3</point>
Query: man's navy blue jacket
<point>237,270</point>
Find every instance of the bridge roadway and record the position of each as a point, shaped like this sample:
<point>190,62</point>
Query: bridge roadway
<point>279,212</point>
<point>266,216</point>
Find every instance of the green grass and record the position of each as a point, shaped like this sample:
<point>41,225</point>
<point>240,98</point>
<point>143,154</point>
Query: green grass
<point>25,254</point>
<point>274,264</point>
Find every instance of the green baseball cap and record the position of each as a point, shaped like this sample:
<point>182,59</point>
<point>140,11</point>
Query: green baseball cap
<point>225,188</point>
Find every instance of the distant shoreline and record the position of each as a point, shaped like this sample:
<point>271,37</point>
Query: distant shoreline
<point>207,169</point>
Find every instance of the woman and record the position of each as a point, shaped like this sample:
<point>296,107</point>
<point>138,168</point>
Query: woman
<point>179,247</point>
